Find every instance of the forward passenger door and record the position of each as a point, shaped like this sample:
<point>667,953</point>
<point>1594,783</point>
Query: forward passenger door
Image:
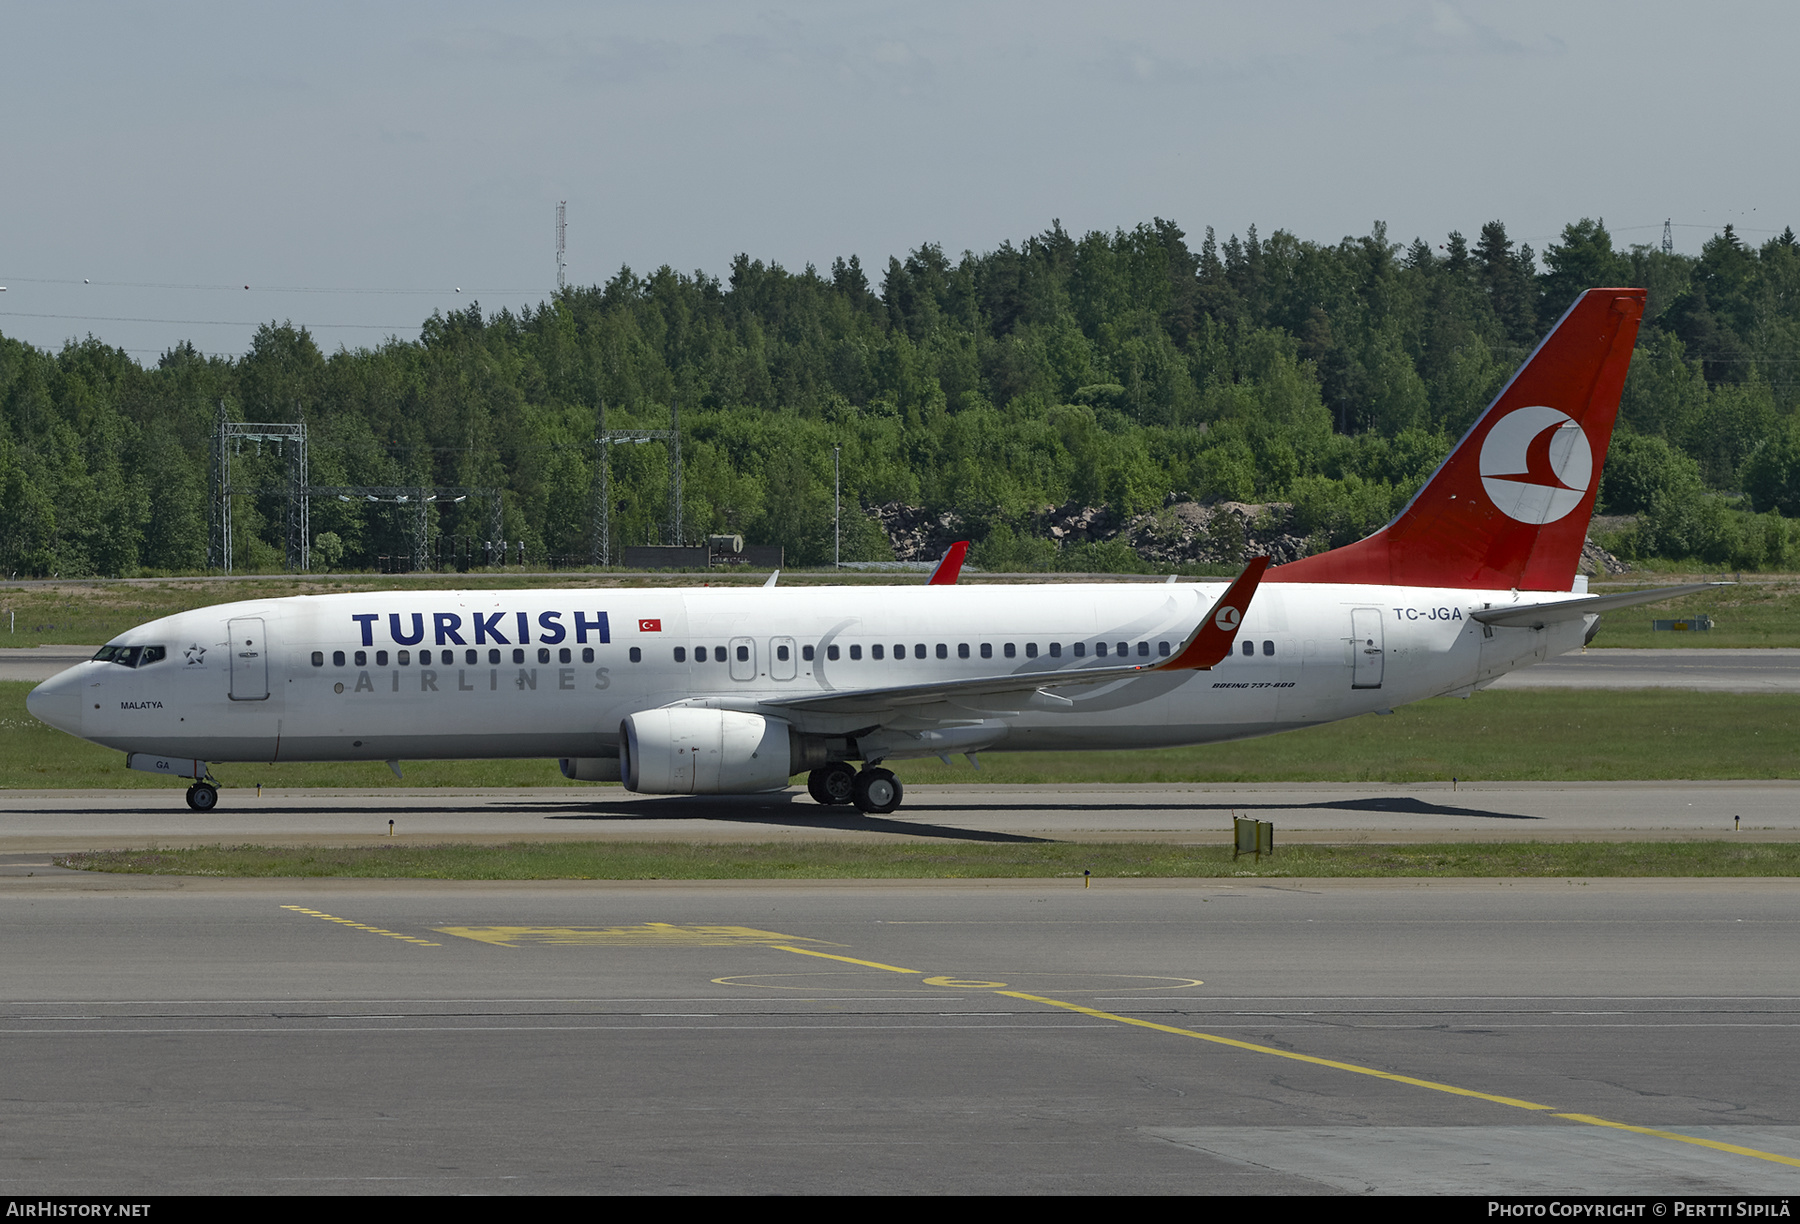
<point>249,659</point>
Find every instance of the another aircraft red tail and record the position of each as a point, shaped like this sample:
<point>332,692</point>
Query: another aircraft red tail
<point>950,566</point>
<point>1510,507</point>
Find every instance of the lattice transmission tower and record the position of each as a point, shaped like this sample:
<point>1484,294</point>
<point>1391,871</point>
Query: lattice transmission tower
<point>600,552</point>
<point>291,442</point>
<point>414,501</point>
<point>561,232</point>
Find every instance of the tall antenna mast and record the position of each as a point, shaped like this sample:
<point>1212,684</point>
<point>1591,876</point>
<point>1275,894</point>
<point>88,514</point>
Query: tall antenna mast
<point>561,229</point>
<point>1668,239</point>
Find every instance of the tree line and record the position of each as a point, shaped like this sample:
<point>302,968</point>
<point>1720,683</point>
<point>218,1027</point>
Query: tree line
<point>1113,369</point>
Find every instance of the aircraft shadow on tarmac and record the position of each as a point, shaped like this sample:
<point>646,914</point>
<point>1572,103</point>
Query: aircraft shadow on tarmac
<point>1399,805</point>
<point>793,808</point>
<point>765,810</point>
<point>770,809</point>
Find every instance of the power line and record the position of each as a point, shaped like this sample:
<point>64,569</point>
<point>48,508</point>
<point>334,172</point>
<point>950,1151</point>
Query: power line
<point>45,280</point>
<point>24,314</point>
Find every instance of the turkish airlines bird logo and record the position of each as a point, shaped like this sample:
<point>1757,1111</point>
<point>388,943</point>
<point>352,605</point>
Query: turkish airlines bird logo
<point>1228,618</point>
<point>1536,464</point>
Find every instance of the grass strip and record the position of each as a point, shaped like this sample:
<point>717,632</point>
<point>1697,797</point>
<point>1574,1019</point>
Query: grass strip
<point>1537,736</point>
<point>939,861</point>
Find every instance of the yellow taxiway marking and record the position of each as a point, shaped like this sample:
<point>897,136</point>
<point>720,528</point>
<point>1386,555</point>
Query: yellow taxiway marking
<point>1434,1085</point>
<point>1591,1120</point>
<point>647,934</point>
<point>850,960</point>
<point>1334,1064</point>
<point>361,926</point>
<point>1263,1049</point>
<point>665,934</point>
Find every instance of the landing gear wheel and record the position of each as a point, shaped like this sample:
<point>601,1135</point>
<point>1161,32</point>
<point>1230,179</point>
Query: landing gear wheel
<point>832,784</point>
<point>203,796</point>
<point>877,792</point>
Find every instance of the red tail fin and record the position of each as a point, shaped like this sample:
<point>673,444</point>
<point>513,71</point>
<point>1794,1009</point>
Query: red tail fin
<point>1510,506</point>
<point>947,569</point>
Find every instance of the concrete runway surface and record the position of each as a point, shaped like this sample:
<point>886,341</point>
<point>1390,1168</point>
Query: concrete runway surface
<point>1317,812</point>
<point>40,662</point>
<point>1696,670</point>
<point>1467,1037</point>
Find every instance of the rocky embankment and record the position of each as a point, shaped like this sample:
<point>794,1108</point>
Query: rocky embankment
<point>1183,532</point>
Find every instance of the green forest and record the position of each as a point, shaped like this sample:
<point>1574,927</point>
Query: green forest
<point>1133,371</point>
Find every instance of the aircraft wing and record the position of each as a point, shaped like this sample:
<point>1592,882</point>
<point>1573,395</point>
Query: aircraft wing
<point>1536,616</point>
<point>1211,640</point>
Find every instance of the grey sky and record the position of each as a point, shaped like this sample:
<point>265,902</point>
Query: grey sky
<point>424,147</point>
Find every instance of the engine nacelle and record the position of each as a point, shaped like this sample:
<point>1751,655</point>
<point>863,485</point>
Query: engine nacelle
<point>590,769</point>
<point>686,751</point>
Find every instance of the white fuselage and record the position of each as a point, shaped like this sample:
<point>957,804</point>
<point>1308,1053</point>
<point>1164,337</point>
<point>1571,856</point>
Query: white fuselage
<point>551,673</point>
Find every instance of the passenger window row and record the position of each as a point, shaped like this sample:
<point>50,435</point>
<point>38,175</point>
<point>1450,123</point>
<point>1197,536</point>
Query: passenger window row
<point>919,650</point>
<point>447,658</point>
<point>136,656</point>
<point>718,654</point>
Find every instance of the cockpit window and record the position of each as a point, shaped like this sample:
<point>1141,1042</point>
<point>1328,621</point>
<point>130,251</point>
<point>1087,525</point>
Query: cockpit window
<point>130,656</point>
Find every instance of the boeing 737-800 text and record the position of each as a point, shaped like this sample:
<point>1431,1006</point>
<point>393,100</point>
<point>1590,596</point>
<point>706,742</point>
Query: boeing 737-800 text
<point>724,691</point>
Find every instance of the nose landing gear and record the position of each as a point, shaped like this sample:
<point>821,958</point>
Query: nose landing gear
<point>875,792</point>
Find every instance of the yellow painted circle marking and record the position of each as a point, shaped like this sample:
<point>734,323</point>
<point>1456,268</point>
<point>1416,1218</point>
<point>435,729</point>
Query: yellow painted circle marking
<point>966,985</point>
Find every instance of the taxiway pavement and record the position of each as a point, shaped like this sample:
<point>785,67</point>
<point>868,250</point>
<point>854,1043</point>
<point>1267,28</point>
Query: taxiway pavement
<point>1318,812</point>
<point>1470,1037</point>
<point>1701,670</point>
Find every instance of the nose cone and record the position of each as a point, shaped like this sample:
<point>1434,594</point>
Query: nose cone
<point>57,701</point>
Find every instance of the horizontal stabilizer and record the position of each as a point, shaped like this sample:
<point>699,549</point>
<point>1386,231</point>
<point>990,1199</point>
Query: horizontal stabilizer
<point>1536,616</point>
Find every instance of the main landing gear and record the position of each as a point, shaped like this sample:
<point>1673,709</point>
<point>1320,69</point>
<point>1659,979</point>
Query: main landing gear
<point>203,796</point>
<point>875,792</point>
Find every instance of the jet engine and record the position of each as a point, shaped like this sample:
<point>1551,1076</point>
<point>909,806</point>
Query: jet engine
<point>688,751</point>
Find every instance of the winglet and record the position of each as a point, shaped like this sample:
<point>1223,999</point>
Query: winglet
<point>1217,633</point>
<point>947,570</point>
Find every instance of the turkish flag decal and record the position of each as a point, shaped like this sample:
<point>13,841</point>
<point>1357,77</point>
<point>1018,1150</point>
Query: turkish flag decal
<point>650,626</point>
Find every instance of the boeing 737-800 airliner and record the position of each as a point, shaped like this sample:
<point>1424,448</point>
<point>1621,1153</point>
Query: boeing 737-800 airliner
<point>727,691</point>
